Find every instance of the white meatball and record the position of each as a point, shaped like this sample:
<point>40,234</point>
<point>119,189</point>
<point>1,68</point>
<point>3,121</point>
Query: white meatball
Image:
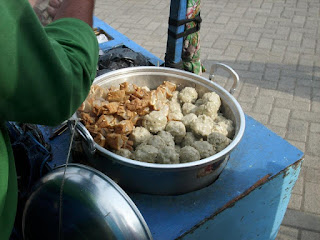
<point>188,139</point>
<point>177,130</point>
<point>202,125</point>
<point>167,138</point>
<point>155,121</point>
<point>188,108</point>
<point>156,141</point>
<point>188,119</point>
<point>139,135</point>
<point>165,110</point>
<point>124,153</point>
<point>212,97</point>
<point>218,141</point>
<point>146,153</point>
<point>188,95</point>
<point>174,106</point>
<point>226,124</point>
<point>210,109</point>
<point>204,148</point>
<point>177,148</point>
<point>167,155</point>
<point>189,154</point>
<point>175,116</point>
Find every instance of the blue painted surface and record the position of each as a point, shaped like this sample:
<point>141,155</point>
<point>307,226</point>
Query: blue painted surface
<point>178,10</point>
<point>257,216</point>
<point>59,146</point>
<point>259,153</point>
<point>119,39</point>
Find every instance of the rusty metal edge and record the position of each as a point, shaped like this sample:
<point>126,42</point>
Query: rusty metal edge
<point>231,203</point>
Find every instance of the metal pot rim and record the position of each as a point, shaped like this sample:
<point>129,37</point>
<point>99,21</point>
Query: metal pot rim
<point>180,166</point>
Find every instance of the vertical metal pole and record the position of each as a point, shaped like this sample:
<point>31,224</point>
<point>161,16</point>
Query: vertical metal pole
<point>178,9</point>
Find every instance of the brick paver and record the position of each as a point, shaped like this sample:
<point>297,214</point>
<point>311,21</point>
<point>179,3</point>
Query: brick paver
<point>274,46</point>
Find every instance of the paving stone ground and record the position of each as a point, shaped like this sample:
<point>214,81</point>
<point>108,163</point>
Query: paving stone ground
<point>275,48</point>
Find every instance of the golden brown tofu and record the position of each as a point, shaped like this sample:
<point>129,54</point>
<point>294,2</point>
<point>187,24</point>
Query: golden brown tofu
<point>124,127</point>
<point>106,121</point>
<point>93,129</point>
<point>116,96</point>
<point>115,140</point>
<point>127,87</point>
<point>87,119</point>
<point>100,139</point>
<point>111,108</point>
<point>136,104</point>
<point>168,88</point>
<point>98,92</point>
<point>87,105</point>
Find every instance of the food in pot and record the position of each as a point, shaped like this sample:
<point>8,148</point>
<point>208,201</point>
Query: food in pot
<point>162,126</point>
<point>189,154</point>
<point>188,95</point>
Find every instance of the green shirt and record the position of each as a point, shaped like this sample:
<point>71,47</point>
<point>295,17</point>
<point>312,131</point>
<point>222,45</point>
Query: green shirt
<point>45,74</point>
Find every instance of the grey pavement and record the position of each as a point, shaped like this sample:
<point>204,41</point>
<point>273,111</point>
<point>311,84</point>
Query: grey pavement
<point>274,45</point>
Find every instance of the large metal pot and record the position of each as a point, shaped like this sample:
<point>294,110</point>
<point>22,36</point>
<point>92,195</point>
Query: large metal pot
<point>165,179</point>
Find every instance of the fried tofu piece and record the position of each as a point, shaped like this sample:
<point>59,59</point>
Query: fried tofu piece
<point>158,99</point>
<point>140,92</point>
<point>93,129</point>
<point>116,96</point>
<point>124,127</point>
<point>135,119</point>
<point>87,119</point>
<point>143,111</point>
<point>168,87</point>
<point>98,92</point>
<point>100,139</point>
<point>111,108</point>
<point>106,121</point>
<point>125,113</point>
<point>129,88</point>
<point>98,106</point>
<point>137,104</point>
<point>116,141</point>
<point>87,105</point>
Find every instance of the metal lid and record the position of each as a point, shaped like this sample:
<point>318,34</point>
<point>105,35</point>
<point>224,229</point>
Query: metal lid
<point>94,207</point>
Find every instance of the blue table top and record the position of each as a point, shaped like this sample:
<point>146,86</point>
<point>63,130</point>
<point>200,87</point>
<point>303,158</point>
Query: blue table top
<point>260,153</point>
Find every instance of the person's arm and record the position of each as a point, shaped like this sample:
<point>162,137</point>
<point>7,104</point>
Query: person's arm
<point>80,9</point>
<point>45,73</point>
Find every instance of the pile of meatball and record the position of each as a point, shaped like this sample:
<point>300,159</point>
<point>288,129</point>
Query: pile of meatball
<point>184,128</point>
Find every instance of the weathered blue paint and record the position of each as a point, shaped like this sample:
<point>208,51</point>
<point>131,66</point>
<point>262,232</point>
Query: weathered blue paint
<point>178,10</point>
<point>119,39</point>
<point>256,216</point>
<point>59,146</point>
<point>260,153</point>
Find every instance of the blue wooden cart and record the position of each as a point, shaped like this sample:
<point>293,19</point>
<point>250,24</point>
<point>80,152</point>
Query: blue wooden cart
<point>249,199</point>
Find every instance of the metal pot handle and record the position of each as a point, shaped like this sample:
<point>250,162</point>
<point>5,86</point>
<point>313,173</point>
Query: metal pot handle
<point>228,69</point>
<point>87,137</point>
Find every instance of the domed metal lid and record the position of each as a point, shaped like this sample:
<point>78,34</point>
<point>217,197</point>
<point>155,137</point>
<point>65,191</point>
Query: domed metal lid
<point>93,207</point>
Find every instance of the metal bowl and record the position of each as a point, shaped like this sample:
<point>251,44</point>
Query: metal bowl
<point>94,207</point>
<point>165,179</point>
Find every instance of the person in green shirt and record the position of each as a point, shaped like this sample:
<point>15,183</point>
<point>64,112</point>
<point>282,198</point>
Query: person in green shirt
<point>45,74</point>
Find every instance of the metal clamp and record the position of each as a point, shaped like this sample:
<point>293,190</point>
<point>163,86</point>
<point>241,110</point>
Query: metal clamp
<point>228,69</point>
<point>87,137</point>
